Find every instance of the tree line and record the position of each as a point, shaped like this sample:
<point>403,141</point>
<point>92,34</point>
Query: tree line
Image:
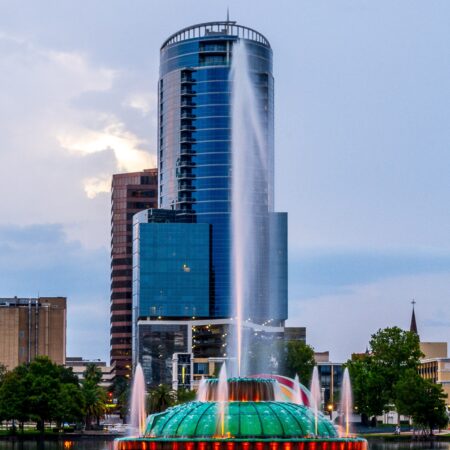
<point>42,391</point>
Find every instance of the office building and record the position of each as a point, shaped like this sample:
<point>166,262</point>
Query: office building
<point>31,327</point>
<point>182,289</point>
<point>195,154</point>
<point>130,193</point>
<point>79,365</point>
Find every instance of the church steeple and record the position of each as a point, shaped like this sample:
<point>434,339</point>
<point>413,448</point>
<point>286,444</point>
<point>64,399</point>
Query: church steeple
<point>413,326</point>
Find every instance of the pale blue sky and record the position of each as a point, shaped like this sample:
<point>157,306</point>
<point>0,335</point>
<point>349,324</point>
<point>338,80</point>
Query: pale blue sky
<point>362,153</point>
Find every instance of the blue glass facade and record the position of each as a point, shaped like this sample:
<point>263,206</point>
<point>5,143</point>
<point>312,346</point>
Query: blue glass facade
<point>171,269</point>
<point>194,151</point>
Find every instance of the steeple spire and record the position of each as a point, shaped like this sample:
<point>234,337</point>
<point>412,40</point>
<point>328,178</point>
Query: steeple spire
<point>413,326</point>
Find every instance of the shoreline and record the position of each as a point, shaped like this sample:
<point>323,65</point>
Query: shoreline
<point>407,437</point>
<point>90,436</point>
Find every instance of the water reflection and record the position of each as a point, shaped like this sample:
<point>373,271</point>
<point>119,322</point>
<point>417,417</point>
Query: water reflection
<point>109,445</point>
<point>58,445</point>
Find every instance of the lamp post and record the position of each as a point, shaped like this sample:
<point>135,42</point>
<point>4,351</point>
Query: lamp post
<point>330,410</point>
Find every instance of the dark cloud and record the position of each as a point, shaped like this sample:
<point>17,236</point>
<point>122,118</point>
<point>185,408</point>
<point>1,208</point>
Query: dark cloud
<point>315,273</point>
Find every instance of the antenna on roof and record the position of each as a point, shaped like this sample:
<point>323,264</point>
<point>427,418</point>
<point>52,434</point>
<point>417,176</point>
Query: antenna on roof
<point>228,14</point>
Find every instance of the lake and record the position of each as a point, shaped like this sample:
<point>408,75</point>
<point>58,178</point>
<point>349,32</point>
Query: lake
<point>108,445</point>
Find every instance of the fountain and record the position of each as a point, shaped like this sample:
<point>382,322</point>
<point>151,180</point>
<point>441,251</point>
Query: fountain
<point>222,397</point>
<point>297,391</point>
<point>346,404</point>
<point>138,414</point>
<point>316,397</point>
<point>249,192</point>
<point>253,420</point>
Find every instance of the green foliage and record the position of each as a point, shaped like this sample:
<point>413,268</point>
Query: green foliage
<point>95,399</point>
<point>121,391</point>
<point>3,372</point>
<point>13,396</point>
<point>393,352</point>
<point>389,376</point>
<point>40,391</point>
<point>185,395</point>
<point>421,399</point>
<point>161,398</point>
<point>93,373</point>
<point>300,360</point>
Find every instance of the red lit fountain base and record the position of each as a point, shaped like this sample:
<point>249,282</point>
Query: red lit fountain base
<point>239,444</point>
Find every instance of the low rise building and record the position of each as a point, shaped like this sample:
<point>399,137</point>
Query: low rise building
<point>31,327</point>
<point>79,365</point>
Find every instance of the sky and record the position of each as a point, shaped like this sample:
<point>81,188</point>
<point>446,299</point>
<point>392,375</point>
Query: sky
<point>362,142</point>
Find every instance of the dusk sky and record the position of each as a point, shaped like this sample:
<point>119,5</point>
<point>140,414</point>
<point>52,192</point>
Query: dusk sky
<point>362,153</point>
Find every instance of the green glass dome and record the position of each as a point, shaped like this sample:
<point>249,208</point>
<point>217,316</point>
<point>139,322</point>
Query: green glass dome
<point>261,420</point>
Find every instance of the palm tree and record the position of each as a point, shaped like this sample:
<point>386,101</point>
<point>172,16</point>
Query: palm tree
<point>95,397</point>
<point>160,398</point>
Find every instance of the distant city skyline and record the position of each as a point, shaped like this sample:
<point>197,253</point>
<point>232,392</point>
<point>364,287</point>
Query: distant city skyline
<point>362,161</point>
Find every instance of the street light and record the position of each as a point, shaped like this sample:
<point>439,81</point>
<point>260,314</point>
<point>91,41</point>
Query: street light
<point>330,410</point>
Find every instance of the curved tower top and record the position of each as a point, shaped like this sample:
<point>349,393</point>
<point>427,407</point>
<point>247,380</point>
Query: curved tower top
<point>215,29</point>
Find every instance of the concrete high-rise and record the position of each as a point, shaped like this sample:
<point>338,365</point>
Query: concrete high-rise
<point>130,193</point>
<point>31,327</point>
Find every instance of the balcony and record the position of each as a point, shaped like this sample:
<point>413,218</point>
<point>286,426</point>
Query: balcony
<point>187,91</point>
<point>187,128</point>
<point>185,103</point>
<point>185,187</point>
<point>187,115</point>
<point>187,80</point>
<point>186,164</point>
<point>187,140</point>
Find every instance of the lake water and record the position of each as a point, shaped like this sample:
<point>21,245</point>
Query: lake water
<point>103,445</point>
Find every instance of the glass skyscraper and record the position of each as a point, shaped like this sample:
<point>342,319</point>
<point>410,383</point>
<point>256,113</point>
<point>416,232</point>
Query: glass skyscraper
<point>194,148</point>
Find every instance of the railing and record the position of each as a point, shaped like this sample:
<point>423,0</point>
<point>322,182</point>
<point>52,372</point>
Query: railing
<point>227,28</point>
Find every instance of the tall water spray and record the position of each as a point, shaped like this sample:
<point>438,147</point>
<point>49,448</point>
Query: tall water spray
<point>202,391</point>
<point>316,397</point>
<point>138,414</point>
<point>297,391</point>
<point>346,404</point>
<point>249,192</point>
<point>222,399</point>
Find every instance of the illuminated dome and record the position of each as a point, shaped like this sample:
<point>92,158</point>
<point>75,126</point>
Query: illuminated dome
<point>249,420</point>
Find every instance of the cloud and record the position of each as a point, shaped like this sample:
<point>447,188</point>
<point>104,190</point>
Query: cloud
<point>144,102</point>
<point>41,260</point>
<point>97,185</point>
<point>65,130</point>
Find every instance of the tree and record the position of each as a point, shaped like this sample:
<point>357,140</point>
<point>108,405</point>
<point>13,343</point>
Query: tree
<point>121,391</point>
<point>93,373</point>
<point>41,391</point>
<point>13,396</point>
<point>3,372</point>
<point>394,352</point>
<point>185,395</point>
<point>421,399</point>
<point>367,385</point>
<point>161,398</point>
<point>43,384</point>
<point>300,360</point>
<point>71,404</point>
<point>95,402</point>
